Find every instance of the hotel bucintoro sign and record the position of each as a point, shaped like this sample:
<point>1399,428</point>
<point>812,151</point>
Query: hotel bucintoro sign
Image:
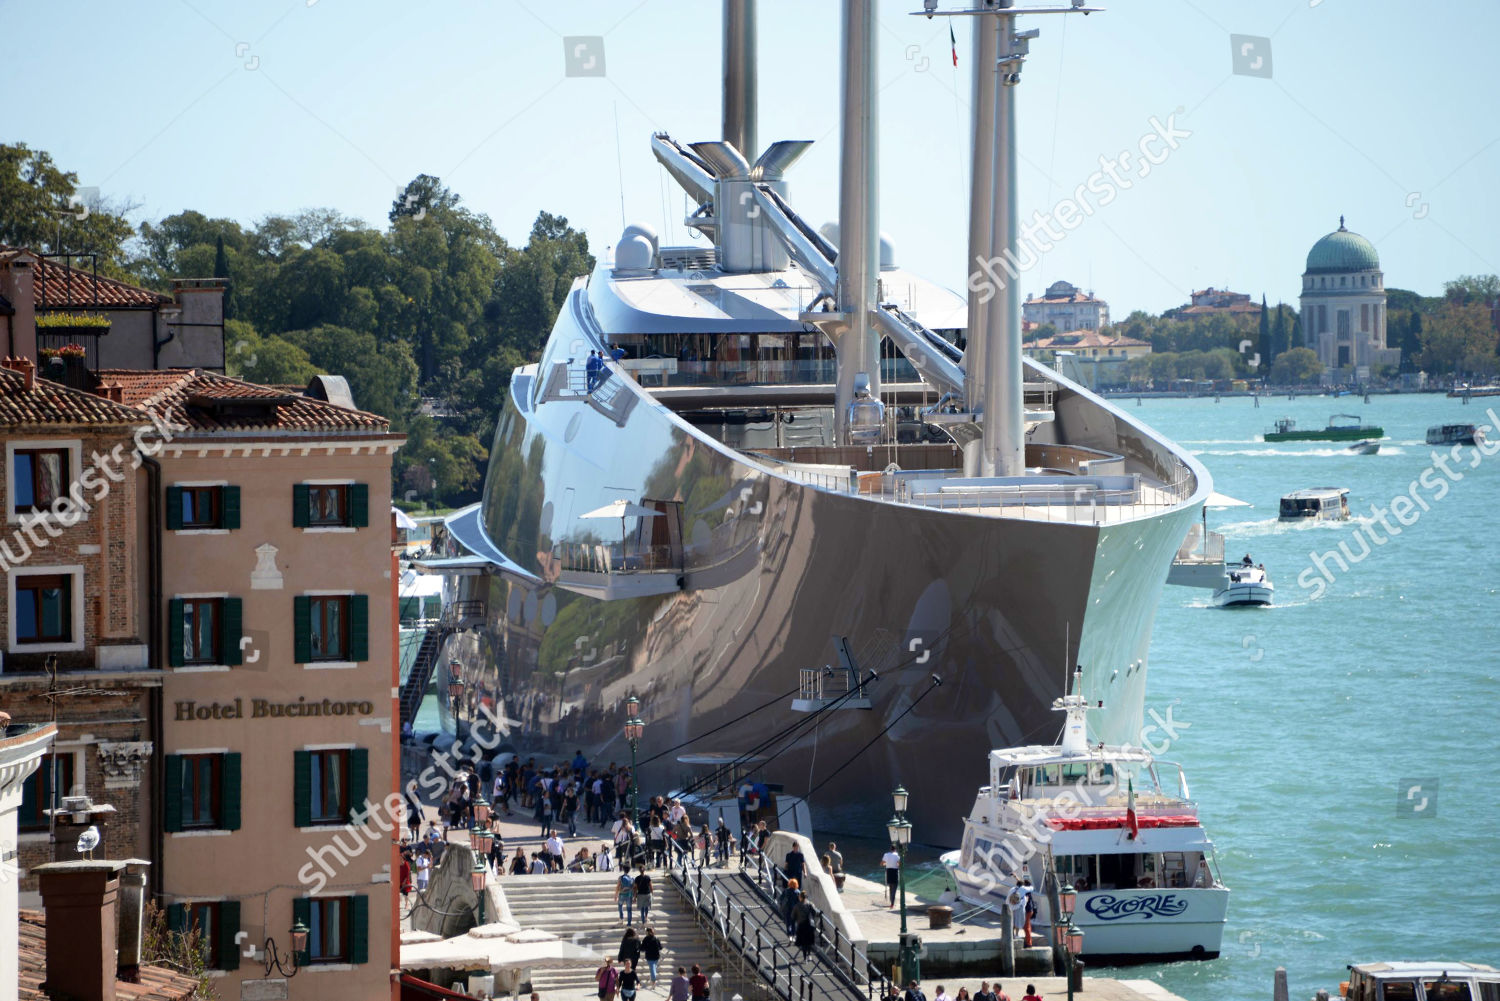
<point>189,711</point>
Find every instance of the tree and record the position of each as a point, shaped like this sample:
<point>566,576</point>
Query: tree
<point>1465,289</point>
<point>1279,338</point>
<point>1041,333</point>
<point>269,360</point>
<point>1459,339</point>
<point>1267,345</point>
<point>42,208</point>
<point>1296,367</point>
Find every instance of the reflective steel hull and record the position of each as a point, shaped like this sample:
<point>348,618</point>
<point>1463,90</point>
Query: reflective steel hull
<point>772,570</point>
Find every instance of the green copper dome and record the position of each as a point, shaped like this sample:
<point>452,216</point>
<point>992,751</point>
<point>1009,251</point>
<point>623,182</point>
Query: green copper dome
<point>1341,251</point>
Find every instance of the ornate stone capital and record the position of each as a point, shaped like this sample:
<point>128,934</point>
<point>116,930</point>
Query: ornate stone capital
<point>122,762</point>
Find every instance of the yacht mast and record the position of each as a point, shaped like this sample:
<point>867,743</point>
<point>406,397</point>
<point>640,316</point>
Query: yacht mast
<point>739,77</point>
<point>981,202</point>
<point>858,344</point>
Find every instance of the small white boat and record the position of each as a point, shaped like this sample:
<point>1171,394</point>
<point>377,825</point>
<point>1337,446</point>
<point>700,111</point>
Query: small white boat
<point>1455,434</point>
<point>1367,447</point>
<point>1421,982</point>
<point>1245,583</point>
<point>1097,817</point>
<point>1316,504</point>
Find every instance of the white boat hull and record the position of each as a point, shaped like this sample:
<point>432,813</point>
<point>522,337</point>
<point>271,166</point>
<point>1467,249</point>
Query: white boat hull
<point>1244,593</point>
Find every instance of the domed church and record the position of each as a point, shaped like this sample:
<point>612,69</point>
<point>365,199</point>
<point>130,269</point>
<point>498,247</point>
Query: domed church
<point>1343,307</point>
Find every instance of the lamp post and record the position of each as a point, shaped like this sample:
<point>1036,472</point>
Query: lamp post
<point>272,956</point>
<point>477,876</point>
<point>899,829</point>
<point>1072,935</point>
<point>635,728</point>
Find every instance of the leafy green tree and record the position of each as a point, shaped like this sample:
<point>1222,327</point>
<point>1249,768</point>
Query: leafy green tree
<point>1296,367</point>
<point>270,359</point>
<point>1267,348</point>
<point>1459,339</point>
<point>382,377</point>
<point>43,209</point>
<point>1474,288</point>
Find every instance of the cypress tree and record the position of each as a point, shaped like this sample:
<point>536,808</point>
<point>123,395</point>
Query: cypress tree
<point>221,269</point>
<point>1267,349</point>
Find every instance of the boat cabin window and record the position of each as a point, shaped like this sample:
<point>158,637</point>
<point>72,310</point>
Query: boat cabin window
<point>1399,990</point>
<point>1447,990</point>
<point>736,359</point>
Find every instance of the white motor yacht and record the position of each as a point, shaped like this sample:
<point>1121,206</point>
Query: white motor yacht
<point>1245,583</point>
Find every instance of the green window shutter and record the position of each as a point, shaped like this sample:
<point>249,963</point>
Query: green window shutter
<point>174,632</point>
<point>229,927</point>
<point>231,620</point>
<point>359,504</point>
<point>359,627</point>
<point>302,911</point>
<point>359,929</point>
<point>177,918</point>
<point>174,507</point>
<point>229,507</point>
<point>229,793</point>
<point>302,788</point>
<point>302,629</point>
<point>300,505</point>
<point>172,798</point>
<point>359,779</point>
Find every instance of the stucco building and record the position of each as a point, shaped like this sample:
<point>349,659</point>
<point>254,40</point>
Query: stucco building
<point>279,613</point>
<point>1066,307</point>
<point>1343,307</point>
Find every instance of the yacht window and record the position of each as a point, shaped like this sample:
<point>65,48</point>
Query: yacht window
<point>1399,990</point>
<point>1446,990</point>
<point>1073,772</point>
<point>1489,990</point>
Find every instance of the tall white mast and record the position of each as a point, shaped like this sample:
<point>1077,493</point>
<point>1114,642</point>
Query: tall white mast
<point>740,98</point>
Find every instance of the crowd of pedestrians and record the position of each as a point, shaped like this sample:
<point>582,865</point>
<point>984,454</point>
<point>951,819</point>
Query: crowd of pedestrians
<point>988,991</point>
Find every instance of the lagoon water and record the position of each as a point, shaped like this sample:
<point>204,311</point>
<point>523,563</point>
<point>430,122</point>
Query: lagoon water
<point>1343,749</point>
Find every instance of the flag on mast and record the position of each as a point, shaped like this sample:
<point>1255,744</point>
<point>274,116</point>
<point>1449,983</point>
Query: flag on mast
<point>1132,823</point>
<point>953,40</point>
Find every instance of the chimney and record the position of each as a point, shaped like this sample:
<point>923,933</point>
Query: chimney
<point>80,899</point>
<point>132,909</point>
<point>25,366</point>
<point>17,278</point>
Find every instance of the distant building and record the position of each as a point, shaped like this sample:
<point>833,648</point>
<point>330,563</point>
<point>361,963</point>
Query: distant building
<point>123,326</point>
<point>1217,301</point>
<point>1096,359</point>
<point>1343,307</point>
<point>1066,308</point>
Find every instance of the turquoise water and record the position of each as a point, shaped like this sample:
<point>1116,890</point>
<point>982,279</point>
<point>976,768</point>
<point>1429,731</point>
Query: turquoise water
<point>1312,719</point>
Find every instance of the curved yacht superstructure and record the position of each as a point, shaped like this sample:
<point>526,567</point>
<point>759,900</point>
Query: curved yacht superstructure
<point>721,508</point>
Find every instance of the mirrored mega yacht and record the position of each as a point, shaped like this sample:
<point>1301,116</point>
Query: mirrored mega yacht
<point>796,464</point>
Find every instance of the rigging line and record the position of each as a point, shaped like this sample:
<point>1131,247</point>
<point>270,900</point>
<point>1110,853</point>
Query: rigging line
<point>789,734</point>
<point>936,682</point>
<point>619,165</point>
<point>1062,48</point>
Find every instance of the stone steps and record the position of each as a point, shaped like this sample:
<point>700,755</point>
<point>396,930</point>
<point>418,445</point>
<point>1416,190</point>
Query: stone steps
<point>580,907</point>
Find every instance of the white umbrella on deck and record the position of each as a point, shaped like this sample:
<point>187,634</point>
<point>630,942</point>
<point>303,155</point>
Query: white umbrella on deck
<point>1217,501</point>
<point>622,509</point>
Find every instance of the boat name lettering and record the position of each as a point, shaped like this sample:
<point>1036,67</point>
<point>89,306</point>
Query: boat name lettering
<point>1107,907</point>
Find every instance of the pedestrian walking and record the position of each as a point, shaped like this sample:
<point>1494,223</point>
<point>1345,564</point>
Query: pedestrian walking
<point>722,839</point>
<point>630,947</point>
<point>892,862</point>
<point>643,893</point>
<point>625,896</point>
<point>629,981</point>
<point>608,979</point>
<point>706,840</point>
<point>605,863</point>
<point>497,856</point>
<point>1031,994</point>
<point>837,858</point>
<point>698,984</point>
<point>651,953</point>
<point>518,863</point>
<point>405,876</point>
<point>806,934</point>
<point>914,992</point>
<point>794,863</point>
<point>786,903</point>
<point>678,989</point>
<point>424,870</point>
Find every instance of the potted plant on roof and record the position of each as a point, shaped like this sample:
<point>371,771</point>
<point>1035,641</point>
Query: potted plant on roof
<point>67,364</point>
<point>62,324</point>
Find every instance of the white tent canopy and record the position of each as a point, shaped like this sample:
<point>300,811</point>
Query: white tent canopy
<point>1217,500</point>
<point>404,521</point>
<point>492,946</point>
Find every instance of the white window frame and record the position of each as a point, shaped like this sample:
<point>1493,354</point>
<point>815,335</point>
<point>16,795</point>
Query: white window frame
<point>329,529</point>
<point>200,483</point>
<point>80,629</point>
<point>74,448</point>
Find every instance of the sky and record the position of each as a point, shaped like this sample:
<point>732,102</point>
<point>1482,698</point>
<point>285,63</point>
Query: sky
<point>1378,110</point>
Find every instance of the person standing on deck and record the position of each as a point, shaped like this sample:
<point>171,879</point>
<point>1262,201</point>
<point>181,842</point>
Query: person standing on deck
<point>892,862</point>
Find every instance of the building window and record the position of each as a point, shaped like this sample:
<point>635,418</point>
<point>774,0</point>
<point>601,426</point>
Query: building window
<point>338,928</point>
<point>44,608</point>
<point>196,508</point>
<point>331,628</point>
<point>215,923</point>
<point>330,787</point>
<point>202,792</point>
<point>54,772</point>
<point>204,631</point>
<point>327,783</point>
<point>338,505</point>
<point>40,477</point>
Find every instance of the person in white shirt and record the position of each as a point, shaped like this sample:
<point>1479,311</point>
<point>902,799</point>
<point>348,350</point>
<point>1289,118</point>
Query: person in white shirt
<point>555,849</point>
<point>1017,901</point>
<point>676,813</point>
<point>892,862</point>
<point>423,865</point>
<point>604,863</point>
<point>538,867</point>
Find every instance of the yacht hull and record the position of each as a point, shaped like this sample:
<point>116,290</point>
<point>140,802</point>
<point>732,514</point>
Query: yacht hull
<point>771,571</point>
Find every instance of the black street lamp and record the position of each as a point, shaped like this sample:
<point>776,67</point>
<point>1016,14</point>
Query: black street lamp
<point>477,876</point>
<point>635,728</point>
<point>899,830</point>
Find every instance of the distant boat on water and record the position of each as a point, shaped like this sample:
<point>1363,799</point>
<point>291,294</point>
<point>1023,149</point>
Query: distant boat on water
<point>1316,504</point>
<point>1455,434</point>
<point>1341,427</point>
<point>1367,447</point>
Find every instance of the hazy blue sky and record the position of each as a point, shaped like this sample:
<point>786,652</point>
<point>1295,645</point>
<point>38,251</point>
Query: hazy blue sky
<point>1376,109</point>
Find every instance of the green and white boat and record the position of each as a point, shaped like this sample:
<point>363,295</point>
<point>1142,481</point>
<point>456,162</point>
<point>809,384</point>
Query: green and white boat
<point>1341,427</point>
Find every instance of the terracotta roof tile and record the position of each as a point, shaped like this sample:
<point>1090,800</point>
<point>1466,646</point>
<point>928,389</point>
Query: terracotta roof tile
<point>1085,339</point>
<point>207,401</point>
<point>59,286</point>
<point>157,983</point>
<point>48,403</point>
